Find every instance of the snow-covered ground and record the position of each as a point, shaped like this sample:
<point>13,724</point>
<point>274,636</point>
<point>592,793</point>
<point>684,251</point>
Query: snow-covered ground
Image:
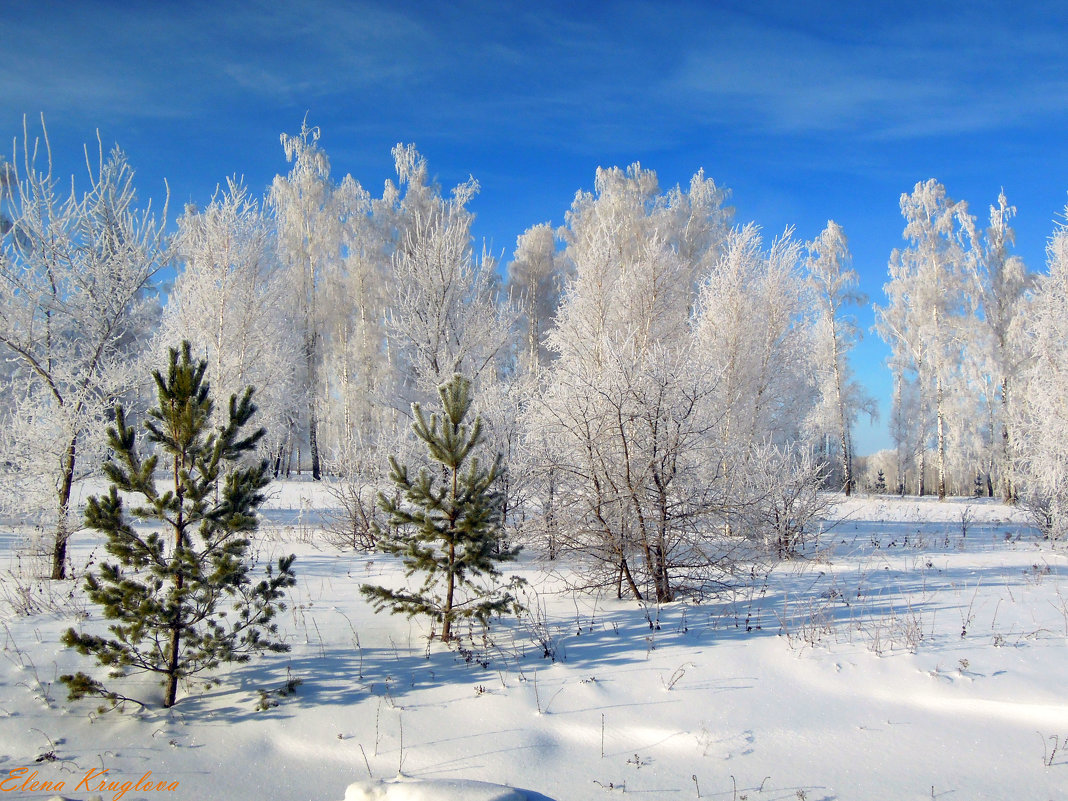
<point>919,652</point>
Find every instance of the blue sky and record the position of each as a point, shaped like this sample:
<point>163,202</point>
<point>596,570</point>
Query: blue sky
<point>806,111</point>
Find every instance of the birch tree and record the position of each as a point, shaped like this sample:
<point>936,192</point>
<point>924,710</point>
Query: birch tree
<point>447,313</point>
<point>422,306</point>
<point>834,287</point>
<point>929,295</point>
<point>536,280</point>
<point>358,376</point>
<point>623,419</point>
<point>232,302</point>
<point>76,273</point>
<point>1042,416</point>
<point>444,317</point>
<point>310,215</point>
<point>750,323</point>
<point>754,336</point>
<point>1004,286</point>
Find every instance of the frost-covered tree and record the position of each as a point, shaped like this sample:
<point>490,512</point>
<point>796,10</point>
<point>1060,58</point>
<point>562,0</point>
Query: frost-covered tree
<point>312,219</point>
<point>834,287</point>
<point>908,427</point>
<point>1041,418</point>
<point>181,599</point>
<point>76,302</point>
<point>408,306</point>
<point>444,313</point>
<point>536,280</point>
<point>7,177</point>
<point>230,299</point>
<point>753,336</point>
<point>358,374</point>
<point>1004,286</point>
<point>930,299</point>
<point>627,443</point>
<point>447,313</point>
<point>750,326</point>
<point>448,531</point>
<point>623,420</point>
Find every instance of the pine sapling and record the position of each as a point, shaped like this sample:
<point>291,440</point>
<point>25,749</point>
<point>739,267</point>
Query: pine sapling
<point>180,597</point>
<point>449,531</point>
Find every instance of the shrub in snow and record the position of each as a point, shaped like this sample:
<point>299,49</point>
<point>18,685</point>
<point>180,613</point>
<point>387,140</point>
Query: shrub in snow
<point>167,593</point>
<point>450,532</point>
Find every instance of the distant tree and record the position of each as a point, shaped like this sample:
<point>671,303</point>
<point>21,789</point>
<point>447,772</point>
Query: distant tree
<point>1004,286</point>
<point>450,533</point>
<point>753,339</point>
<point>182,602</point>
<point>7,176</point>
<point>536,279</point>
<point>931,298</point>
<point>76,305</point>
<point>231,299</point>
<point>1042,416</point>
<point>621,423</point>
<point>880,484</point>
<point>833,283</point>
<point>311,217</point>
<point>444,311</point>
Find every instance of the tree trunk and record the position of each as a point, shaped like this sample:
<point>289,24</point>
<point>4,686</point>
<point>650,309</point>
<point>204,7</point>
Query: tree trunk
<point>446,626</point>
<point>59,549</point>
<point>939,398</point>
<point>173,647</point>
<point>172,656</point>
<point>311,359</point>
<point>843,424</point>
<point>1008,487</point>
<point>922,458</point>
<point>663,587</point>
<point>898,427</point>
<point>847,464</point>
<point>550,515</point>
<point>624,568</point>
<point>535,324</point>
<point>313,443</point>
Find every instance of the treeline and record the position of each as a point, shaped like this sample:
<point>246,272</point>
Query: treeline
<point>668,389</point>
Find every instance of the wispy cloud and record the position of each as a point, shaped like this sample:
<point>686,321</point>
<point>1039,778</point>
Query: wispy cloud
<point>902,75</point>
<point>585,78</point>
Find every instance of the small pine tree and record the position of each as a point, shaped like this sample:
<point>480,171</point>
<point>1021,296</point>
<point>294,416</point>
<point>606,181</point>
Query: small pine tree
<point>167,590</point>
<point>880,484</point>
<point>449,533</point>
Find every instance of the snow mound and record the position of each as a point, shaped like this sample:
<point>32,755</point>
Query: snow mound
<point>406,789</point>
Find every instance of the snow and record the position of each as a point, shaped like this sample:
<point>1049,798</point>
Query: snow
<point>408,789</point>
<point>916,651</point>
